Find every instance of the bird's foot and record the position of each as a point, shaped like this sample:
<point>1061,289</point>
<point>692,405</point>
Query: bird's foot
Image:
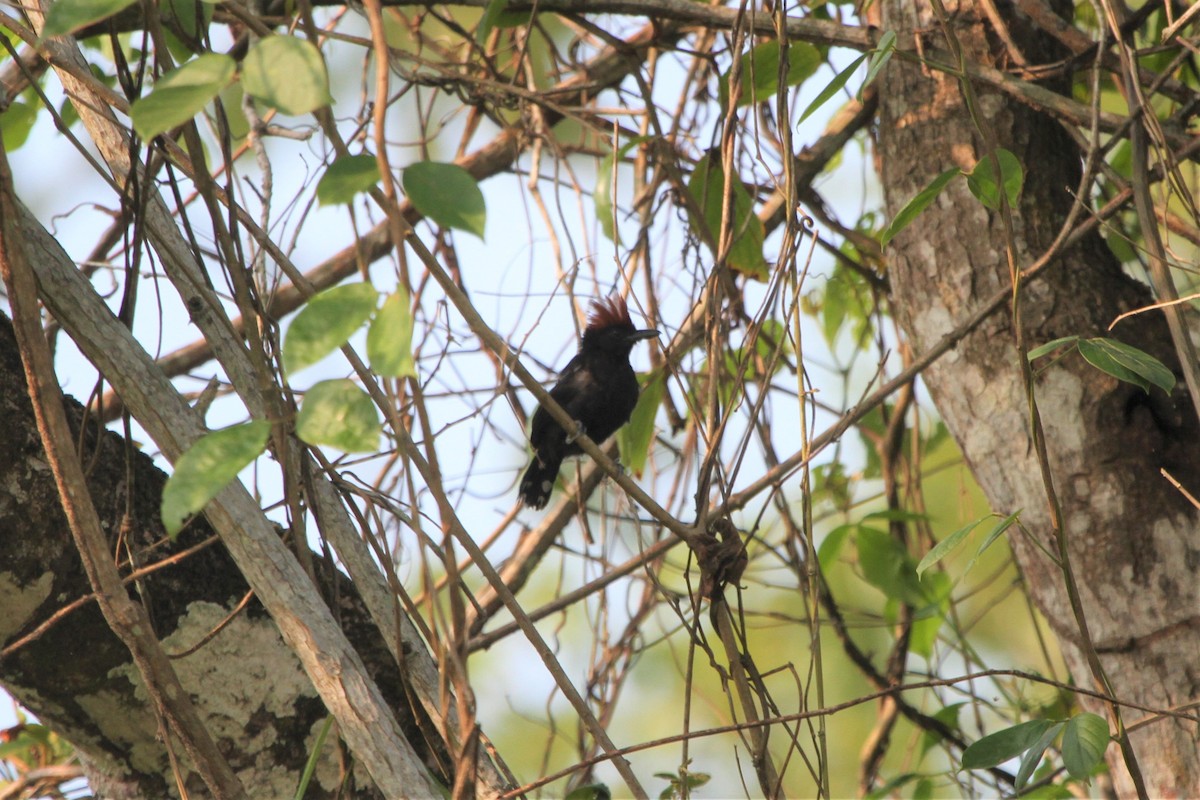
<point>580,430</point>
<point>620,468</point>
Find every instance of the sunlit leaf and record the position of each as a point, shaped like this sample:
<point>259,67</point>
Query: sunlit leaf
<point>181,94</point>
<point>760,71</point>
<point>16,123</point>
<point>207,467</point>
<point>603,198</point>
<point>390,338</point>
<point>947,545</point>
<point>927,621</point>
<point>994,534</point>
<point>879,59</point>
<point>488,21</point>
<point>497,15</point>
<point>636,437</point>
<point>447,194</point>
<point>287,74</point>
<point>191,16</point>
<point>68,16</point>
<point>831,546</point>
<point>346,177</point>
<point>326,322</point>
<point>833,88</point>
<point>339,414</point>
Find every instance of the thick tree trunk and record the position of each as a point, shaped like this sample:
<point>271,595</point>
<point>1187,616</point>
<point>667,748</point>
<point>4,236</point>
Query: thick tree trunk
<point>1134,541</point>
<point>249,687</point>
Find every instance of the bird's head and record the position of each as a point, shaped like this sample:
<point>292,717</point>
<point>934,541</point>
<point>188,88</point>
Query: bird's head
<point>610,329</point>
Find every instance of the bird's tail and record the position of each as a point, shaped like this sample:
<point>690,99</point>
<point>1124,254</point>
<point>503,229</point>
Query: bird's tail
<point>538,481</point>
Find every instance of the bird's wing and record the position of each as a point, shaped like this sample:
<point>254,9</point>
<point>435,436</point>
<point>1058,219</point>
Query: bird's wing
<point>564,392</point>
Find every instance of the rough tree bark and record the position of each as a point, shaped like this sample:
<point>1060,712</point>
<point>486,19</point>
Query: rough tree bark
<point>79,679</point>
<point>1134,541</point>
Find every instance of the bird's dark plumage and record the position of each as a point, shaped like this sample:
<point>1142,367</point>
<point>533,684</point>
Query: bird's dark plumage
<point>598,389</point>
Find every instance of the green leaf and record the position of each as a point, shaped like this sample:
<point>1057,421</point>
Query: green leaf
<point>310,766</point>
<point>992,536</point>
<point>983,183</point>
<point>999,747</point>
<point>916,205</point>
<point>1050,347</point>
<point>879,59</point>
<point>831,546</point>
<point>1048,791</point>
<point>760,71</point>
<point>287,74</point>
<point>390,338</point>
<point>496,14</point>
<point>207,467</point>
<point>16,123</point>
<point>1127,363</point>
<point>636,437</point>
<point>1084,743</point>
<point>181,94</point>
<point>886,565</point>
<point>833,88</point>
<point>603,198</point>
<point>947,715</point>
<point>68,16</point>
<point>892,787</point>
<point>605,177</point>
<point>491,14</point>
<point>947,545</point>
<point>326,322</point>
<point>447,194</point>
<point>1103,361</point>
<point>1033,756</point>
<point>188,15</point>
<point>346,177</point>
<point>591,791</point>
<point>834,304</point>
<point>928,621</point>
<point>897,515</point>
<point>707,186</point>
<point>338,413</point>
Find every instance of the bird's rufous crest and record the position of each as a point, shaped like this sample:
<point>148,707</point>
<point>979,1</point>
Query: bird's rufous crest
<point>610,311</point>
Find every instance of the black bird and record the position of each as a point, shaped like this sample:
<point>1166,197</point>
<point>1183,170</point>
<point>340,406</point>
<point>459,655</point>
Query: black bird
<point>598,389</point>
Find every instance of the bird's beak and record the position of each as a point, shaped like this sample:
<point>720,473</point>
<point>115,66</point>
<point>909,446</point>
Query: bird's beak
<point>637,336</point>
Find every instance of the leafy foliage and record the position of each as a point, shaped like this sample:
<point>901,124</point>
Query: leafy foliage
<point>207,467</point>
<point>862,552</point>
<point>988,186</point>
<point>180,95</point>
<point>287,74</point>
<point>346,178</point>
<point>707,187</point>
<point>447,194</point>
<point>326,323</point>
<point>338,413</point>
